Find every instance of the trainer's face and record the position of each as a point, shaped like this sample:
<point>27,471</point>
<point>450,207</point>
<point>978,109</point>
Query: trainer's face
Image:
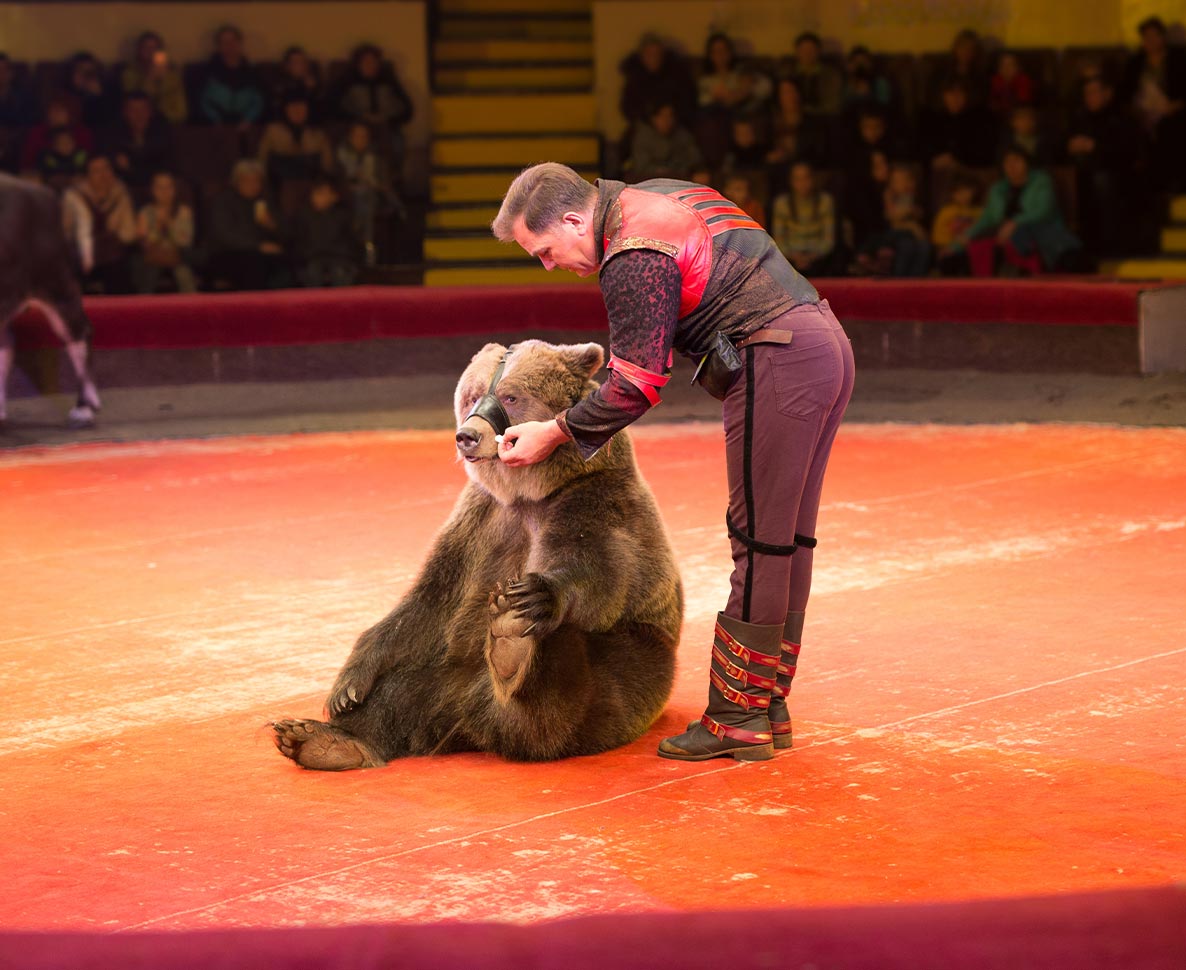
<point>568,244</point>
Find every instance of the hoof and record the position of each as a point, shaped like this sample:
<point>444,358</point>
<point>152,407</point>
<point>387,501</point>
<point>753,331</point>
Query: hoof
<point>321,747</point>
<point>82,416</point>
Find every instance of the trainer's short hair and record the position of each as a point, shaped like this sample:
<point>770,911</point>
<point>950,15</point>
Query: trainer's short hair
<point>541,194</point>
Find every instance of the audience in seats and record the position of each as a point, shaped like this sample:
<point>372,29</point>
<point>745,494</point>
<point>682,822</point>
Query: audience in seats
<point>16,104</point>
<point>154,75</point>
<point>820,83</point>
<point>324,243</point>
<point>959,133</point>
<point>244,237</point>
<point>803,222</point>
<point>654,74</point>
<point>95,102</point>
<point>965,62</point>
<point>952,224</point>
<point>139,144</point>
<point>372,93</point>
<point>291,147</point>
<point>59,113</point>
<point>165,239</point>
<point>663,148</point>
<point>299,72</point>
<point>101,221</point>
<point>1155,85</point>
<point>1010,86</point>
<point>1021,228</point>
<point>231,90</point>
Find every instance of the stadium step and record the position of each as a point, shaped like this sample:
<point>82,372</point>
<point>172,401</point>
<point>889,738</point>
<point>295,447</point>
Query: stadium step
<point>512,86</point>
<point>580,151</point>
<point>1151,268</point>
<point>1173,239</point>
<point>546,76</point>
<point>1178,208</point>
<point>494,51</point>
<point>464,114</point>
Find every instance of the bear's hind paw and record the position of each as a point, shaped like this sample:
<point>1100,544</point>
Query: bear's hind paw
<point>321,747</point>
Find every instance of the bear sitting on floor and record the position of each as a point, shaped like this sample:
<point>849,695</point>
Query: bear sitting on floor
<point>545,620</point>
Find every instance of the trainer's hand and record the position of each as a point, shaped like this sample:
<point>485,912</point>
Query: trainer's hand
<point>532,441</point>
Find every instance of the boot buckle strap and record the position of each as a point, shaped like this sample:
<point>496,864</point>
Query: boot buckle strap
<point>743,653</point>
<point>740,698</point>
<point>740,673</point>
<point>719,730</point>
<point>791,648</point>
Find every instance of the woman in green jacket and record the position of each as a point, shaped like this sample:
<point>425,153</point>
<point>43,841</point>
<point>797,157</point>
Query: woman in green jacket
<point>1021,222</point>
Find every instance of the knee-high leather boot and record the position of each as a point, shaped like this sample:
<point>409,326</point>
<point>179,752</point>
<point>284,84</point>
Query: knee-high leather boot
<point>780,715</point>
<point>741,676</point>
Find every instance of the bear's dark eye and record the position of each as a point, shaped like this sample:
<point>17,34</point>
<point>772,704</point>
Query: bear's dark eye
<point>509,398</point>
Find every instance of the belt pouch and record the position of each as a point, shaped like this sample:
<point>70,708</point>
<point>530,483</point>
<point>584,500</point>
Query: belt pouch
<point>719,368</point>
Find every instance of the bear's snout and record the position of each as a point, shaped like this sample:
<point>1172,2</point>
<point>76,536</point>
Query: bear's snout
<point>475,445</point>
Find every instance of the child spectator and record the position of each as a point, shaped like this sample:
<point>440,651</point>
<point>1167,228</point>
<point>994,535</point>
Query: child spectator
<point>747,149</point>
<point>369,184</point>
<point>1021,229</point>
<point>59,113</point>
<point>152,74</point>
<point>105,226</point>
<point>864,202</point>
<point>165,230</point>
<point>243,233</point>
<point>902,249</point>
<point>724,88</point>
<point>821,84</point>
<point>952,223</point>
<point>803,222</point>
<point>372,93</point>
<point>139,143</point>
<point>1010,86</point>
<point>62,159</point>
<point>93,100</point>
<point>291,148</point>
<point>231,92</point>
<point>864,85</point>
<point>872,134</point>
<point>323,240</point>
<point>654,73</point>
<point>739,190</point>
<point>298,72</point>
<point>662,148</point>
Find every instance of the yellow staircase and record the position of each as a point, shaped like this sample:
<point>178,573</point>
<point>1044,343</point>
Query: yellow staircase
<point>1170,263</point>
<point>512,85</point>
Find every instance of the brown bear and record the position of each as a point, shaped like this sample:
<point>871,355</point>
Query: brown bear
<point>545,621</point>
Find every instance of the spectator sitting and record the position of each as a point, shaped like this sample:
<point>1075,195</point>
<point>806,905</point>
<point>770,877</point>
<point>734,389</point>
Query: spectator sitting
<point>372,93</point>
<point>724,88</point>
<point>1024,128</point>
<point>662,148</point>
<point>747,148</point>
<point>864,201</point>
<point>104,225</point>
<point>231,93</point>
<point>62,159</point>
<point>1021,229</point>
<point>803,222</point>
<point>93,99</point>
<point>739,190</point>
<point>953,222</point>
<point>151,73</point>
<point>243,233</point>
<point>902,248</point>
<point>165,230</point>
<point>1155,85</point>
<point>140,143</point>
<point>872,134</point>
<point>298,72</point>
<point>324,243</point>
<point>820,84</point>
<point>1010,86</point>
<point>365,172</point>
<point>959,134</point>
<point>864,85</point>
<point>654,73</point>
<point>1106,146</point>
<point>59,113</point>
<point>291,148</point>
<point>965,63</point>
<point>16,106</point>
<point>793,133</point>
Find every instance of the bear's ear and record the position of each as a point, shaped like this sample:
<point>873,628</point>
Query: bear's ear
<point>584,360</point>
<point>488,350</point>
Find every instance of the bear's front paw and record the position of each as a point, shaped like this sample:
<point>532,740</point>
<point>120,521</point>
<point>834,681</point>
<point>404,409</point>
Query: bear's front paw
<point>534,598</point>
<point>349,690</point>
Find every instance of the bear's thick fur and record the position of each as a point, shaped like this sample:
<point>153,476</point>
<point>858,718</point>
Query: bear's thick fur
<point>545,620</point>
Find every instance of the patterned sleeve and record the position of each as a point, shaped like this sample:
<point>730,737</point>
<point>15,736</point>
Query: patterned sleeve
<point>642,291</point>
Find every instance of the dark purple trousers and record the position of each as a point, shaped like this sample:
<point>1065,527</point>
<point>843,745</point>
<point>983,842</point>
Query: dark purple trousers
<point>781,417</point>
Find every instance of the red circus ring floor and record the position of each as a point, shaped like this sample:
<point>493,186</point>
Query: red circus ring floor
<point>988,704</point>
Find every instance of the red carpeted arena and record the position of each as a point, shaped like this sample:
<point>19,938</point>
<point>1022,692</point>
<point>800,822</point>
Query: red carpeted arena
<point>986,768</point>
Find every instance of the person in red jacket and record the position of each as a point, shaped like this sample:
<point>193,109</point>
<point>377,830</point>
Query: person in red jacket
<point>684,270</point>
